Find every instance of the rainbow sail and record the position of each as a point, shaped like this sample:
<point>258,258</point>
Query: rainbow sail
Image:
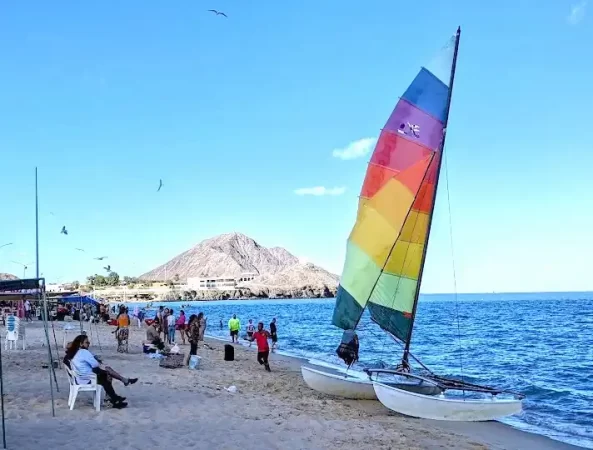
<point>385,250</point>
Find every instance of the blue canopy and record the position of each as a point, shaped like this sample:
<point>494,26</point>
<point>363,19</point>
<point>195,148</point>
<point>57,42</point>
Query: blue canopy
<point>79,299</point>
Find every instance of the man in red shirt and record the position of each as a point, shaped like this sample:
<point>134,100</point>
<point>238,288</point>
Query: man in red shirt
<point>263,349</point>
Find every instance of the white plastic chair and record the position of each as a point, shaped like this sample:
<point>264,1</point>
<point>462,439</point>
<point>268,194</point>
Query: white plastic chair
<point>75,388</point>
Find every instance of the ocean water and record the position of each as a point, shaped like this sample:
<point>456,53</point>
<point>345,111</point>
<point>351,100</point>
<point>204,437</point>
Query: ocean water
<point>540,344</point>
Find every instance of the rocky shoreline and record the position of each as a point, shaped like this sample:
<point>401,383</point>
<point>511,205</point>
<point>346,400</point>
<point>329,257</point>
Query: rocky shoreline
<point>262,292</point>
<point>244,293</point>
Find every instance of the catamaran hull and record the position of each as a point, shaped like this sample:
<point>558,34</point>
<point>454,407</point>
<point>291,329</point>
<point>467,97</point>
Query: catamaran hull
<point>440,408</point>
<point>338,385</point>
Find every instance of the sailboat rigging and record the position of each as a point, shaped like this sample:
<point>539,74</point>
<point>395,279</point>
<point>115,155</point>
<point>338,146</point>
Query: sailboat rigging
<point>386,255</point>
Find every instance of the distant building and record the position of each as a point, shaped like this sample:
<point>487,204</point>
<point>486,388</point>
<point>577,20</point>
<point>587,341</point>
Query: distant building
<point>223,283</point>
<point>57,288</point>
<point>247,276</point>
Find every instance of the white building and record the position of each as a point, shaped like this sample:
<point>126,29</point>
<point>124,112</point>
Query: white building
<point>223,283</point>
<point>57,288</point>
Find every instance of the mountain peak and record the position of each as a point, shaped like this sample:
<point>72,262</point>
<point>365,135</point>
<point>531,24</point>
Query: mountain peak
<point>233,254</point>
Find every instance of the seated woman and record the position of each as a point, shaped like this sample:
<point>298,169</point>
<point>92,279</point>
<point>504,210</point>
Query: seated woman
<point>81,360</point>
<point>152,336</point>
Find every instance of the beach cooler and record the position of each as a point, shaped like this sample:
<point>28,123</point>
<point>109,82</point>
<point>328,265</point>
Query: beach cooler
<point>194,362</point>
<point>229,352</point>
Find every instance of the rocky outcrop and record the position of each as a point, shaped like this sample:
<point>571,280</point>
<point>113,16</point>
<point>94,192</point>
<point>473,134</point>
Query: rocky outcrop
<point>8,276</point>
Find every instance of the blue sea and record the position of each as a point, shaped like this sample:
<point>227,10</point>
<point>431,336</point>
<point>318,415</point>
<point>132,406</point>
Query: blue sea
<point>540,344</point>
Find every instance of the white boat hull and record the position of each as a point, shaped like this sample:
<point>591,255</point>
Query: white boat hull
<point>441,408</point>
<point>339,385</point>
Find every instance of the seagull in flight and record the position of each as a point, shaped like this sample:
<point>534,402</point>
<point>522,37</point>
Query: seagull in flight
<point>79,249</point>
<point>107,268</point>
<point>64,230</point>
<point>100,258</point>
<point>218,13</point>
<point>160,185</point>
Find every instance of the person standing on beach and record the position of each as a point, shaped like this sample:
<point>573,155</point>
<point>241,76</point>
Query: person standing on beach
<point>202,325</point>
<point>164,323</point>
<point>180,325</point>
<point>263,349</point>
<point>250,331</point>
<point>159,318</point>
<point>28,311</point>
<point>193,335</point>
<point>273,333</point>
<point>171,327</point>
<point>234,327</point>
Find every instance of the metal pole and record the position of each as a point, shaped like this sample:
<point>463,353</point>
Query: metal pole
<point>2,400</point>
<point>50,359</point>
<point>436,186</point>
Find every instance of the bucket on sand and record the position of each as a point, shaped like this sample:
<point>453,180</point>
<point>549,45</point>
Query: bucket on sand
<point>194,362</point>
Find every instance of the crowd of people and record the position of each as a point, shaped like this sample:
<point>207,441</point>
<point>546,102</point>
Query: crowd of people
<point>168,328</point>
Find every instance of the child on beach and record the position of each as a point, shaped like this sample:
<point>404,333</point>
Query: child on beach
<point>250,331</point>
<point>263,349</point>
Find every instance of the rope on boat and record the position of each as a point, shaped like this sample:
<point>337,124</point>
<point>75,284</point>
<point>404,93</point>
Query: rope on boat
<point>453,267</point>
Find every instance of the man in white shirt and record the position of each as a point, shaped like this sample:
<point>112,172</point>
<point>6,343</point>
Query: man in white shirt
<point>171,327</point>
<point>28,311</point>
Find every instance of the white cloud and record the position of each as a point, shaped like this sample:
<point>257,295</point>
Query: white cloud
<point>320,190</point>
<point>577,12</point>
<point>355,149</point>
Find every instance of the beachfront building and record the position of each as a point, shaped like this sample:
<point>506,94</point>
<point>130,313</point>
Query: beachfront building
<point>223,283</point>
<point>247,276</point>
<point>55,287</point>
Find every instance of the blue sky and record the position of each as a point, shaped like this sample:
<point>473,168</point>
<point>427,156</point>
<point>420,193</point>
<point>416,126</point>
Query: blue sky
<point>237,114</point>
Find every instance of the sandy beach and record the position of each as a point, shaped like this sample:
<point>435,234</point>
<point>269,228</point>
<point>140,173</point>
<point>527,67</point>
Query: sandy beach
<point>179,407</point>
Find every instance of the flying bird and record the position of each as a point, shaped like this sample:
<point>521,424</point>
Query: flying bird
<point>64,230</point>
<point>218,13</point>
<point>107,268</point>
<point>160,185</point>
<point>100,258</point>
<point>79,249</point>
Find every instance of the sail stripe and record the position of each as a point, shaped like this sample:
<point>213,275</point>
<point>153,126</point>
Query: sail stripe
<point>360,266</point>
<point>429,94</point>
<point>396,152</point>
<point>416,125</point>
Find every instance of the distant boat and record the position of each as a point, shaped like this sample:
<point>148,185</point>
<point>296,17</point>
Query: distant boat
<point>385,259</point>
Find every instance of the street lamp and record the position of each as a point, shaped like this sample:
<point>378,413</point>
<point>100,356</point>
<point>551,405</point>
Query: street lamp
<point>25,267</point>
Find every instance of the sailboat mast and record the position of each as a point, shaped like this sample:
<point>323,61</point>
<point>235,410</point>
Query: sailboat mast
<point>436,185</point>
